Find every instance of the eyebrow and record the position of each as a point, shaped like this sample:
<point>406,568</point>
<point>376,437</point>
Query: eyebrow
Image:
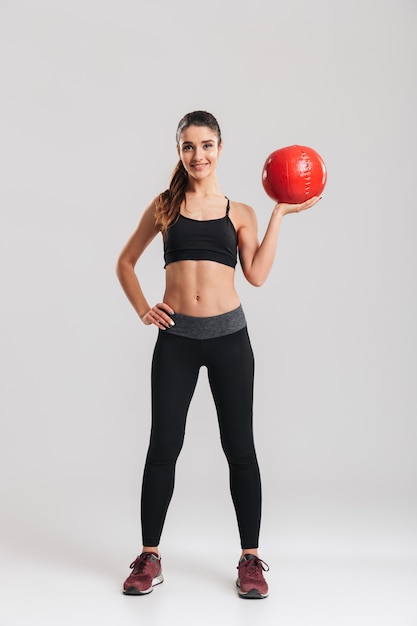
<point>185,143</point>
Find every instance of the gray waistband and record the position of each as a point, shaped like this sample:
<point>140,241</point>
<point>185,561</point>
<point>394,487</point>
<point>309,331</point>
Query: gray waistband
<point>207,327</point>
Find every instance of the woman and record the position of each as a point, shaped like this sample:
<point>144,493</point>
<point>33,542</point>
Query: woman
<point>200,322</point>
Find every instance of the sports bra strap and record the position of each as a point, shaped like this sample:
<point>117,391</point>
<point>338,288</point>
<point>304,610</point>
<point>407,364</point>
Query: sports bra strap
<point>228,205</point>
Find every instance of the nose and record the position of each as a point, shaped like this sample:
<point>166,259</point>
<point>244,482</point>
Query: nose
<point>198,154</point>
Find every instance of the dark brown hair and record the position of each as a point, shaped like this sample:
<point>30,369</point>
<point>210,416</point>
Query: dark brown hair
<point>168,203</point>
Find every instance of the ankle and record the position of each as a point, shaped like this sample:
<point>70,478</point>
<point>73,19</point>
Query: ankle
<point>253,551</point>
<point>153,549</point>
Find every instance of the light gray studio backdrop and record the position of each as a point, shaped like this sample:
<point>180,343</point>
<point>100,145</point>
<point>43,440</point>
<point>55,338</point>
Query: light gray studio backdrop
<point>91,93</point>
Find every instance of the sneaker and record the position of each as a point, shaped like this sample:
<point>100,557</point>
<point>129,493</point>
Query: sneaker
<point>146,573</point>
<point>250,581</point>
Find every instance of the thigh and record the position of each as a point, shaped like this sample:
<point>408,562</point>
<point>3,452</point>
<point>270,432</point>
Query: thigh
<point>175,370</point>
<point>231,373</point>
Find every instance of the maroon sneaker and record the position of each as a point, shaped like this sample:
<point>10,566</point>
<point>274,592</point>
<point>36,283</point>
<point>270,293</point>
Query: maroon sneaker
<point>146,573</point>
<point>250,580</point>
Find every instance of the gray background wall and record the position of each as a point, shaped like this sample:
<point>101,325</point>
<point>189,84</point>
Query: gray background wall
<point>91,96</point>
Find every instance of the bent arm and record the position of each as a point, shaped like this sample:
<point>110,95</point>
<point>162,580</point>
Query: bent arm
<point>145,232</point>
<point>125,270</point>
<point>257,259</point>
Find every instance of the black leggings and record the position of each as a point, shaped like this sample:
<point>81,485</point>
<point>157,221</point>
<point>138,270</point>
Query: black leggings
<point>175,367</point>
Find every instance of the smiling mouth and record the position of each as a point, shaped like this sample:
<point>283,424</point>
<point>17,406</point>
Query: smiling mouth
<point>199,166</point>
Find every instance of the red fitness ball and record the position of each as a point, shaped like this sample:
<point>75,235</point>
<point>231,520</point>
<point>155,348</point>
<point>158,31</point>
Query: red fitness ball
<point>294,174</point>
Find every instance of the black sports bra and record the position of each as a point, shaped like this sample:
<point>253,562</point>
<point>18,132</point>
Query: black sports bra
<point>201,240</point>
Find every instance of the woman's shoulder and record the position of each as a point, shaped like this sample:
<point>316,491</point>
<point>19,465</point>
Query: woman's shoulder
<point>147,221</point>
<point>242,214</point>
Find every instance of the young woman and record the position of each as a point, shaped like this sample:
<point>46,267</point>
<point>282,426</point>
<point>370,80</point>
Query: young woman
<point>200,322</point>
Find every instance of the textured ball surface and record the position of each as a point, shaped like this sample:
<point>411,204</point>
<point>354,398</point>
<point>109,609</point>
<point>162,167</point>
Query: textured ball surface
<point>294,174</point>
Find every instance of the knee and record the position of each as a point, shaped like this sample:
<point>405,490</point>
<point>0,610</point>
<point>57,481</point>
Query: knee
<point>163,453</point>
<point>240,458</point>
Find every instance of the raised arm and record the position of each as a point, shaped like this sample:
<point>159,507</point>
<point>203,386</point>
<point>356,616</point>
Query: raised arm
<point>125,270</point>
<point>257,259</point>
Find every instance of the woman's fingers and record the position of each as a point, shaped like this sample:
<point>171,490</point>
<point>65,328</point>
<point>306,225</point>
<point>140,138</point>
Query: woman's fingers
<point>159,316</point>
<point>296,208</point>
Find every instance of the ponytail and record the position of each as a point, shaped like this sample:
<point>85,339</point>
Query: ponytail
<point>168,203</point>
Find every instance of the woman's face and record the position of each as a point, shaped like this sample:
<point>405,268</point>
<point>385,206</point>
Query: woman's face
<point>199,151</point>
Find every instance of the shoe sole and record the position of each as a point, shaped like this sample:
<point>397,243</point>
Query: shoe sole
<point>132,591</point>
<point>252,594</point>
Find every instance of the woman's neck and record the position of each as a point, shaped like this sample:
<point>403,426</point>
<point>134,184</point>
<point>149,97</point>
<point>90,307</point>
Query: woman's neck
<point>208,187</point>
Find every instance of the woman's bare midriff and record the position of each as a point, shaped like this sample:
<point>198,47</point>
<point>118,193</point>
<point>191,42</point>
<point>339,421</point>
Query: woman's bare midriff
<point>200,288</point>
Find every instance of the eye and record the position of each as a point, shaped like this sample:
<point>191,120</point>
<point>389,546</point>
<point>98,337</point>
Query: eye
<point>208,146</point>
<point>187,148</point>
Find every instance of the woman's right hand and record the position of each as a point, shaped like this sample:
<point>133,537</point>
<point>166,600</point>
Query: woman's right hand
<point>159,315</point>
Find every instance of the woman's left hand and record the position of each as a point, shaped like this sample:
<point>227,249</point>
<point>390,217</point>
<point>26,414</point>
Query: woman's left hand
<point>285,208</point>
